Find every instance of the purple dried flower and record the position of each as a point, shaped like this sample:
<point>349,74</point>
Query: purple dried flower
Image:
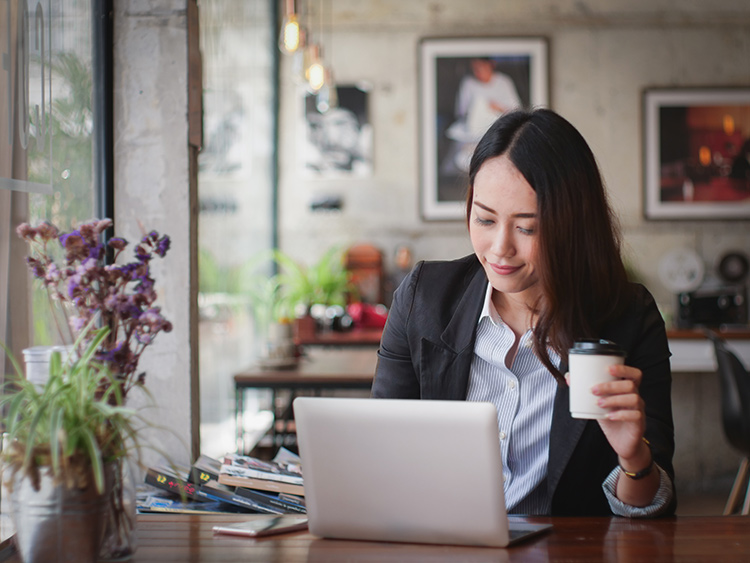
<point>150,238</point>
<point>144,337</point>
<point>47,231</point>
<point>77,323</point>
<point>102,225</point>
<point>87,265</point>
<point>53,274</point>
<point>75,247</point>
<point>74,285</point>
<point>163,246</point>
<point>26,231</point>
<point>88,232</point>
<point>117,243</point>
<point>36,267</point>
<point>122,296</point>
<point>65,236</point>
<point>141,253</point>
<point>96,252</point>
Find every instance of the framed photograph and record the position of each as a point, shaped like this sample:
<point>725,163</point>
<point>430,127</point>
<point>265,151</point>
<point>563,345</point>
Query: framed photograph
<point>464,85</point>
<point>338,137</point>
<point>696,153</point>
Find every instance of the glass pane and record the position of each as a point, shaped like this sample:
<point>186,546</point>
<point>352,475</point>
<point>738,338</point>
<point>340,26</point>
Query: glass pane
<point>54,84</point>
<point>71,126</point>
<point>235,189</point>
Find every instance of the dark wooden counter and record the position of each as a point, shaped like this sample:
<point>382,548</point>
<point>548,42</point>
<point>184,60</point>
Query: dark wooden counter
<point>699,539</point>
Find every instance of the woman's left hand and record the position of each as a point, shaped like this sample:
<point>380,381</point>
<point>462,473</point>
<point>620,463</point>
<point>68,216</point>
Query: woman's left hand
<point>626,422</point>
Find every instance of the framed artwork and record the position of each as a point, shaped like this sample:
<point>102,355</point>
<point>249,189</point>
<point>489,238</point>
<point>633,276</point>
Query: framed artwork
<point>696,153</point>
<point>338,137</point>
<point>464,85</point>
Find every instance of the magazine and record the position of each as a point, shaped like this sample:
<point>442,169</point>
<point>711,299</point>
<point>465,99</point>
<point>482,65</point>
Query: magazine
<point>280,469</point>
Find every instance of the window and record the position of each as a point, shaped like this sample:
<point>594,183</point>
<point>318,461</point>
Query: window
<point>47,144</point>
<point>235,183</point>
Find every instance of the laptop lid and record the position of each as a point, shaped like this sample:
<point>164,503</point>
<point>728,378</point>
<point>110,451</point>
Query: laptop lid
<point>403,470</point>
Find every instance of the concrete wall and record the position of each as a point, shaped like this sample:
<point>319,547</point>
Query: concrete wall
<point>602,55</point>
<point>152,191</point>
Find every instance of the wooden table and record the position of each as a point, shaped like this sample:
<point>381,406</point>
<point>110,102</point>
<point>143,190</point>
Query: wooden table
<point>366,337</point>
<point>700,539</point>
<point>704,539</point>
<point>319,369</point>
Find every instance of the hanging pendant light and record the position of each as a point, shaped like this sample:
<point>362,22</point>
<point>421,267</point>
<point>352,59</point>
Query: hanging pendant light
<point>290,37</point>
<point>315,73</point>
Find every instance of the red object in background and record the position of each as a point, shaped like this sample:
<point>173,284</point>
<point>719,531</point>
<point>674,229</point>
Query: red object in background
<point>365,315</point>
<point>364,262</point>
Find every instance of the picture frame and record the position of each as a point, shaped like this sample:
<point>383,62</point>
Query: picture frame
<point>338,140</point>
<point>464,85</point>
<point>696,153</point>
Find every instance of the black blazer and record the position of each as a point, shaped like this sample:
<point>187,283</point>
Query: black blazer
<point>428,346</point>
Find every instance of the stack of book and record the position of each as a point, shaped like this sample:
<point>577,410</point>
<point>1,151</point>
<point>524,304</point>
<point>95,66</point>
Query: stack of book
<point>237,483</point>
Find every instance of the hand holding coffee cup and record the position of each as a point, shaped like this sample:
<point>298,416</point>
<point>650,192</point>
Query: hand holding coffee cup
<point>588,365</point>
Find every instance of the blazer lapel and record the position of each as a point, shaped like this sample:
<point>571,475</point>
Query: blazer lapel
<point>564,435</point>
<point>445,365</point>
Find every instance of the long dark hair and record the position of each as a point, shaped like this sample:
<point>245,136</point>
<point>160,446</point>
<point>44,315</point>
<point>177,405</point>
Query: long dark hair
<point>583,279</point>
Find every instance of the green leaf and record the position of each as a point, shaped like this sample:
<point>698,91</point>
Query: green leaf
<point>13,361</point>
<point>95,455</point>
<point>36,421</point>
<point>56,429</point>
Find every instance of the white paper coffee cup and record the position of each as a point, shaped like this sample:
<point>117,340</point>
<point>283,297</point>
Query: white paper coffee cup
<point>588,365</point>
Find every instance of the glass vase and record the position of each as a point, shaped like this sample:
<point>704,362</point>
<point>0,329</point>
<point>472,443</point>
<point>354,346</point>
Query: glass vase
<point>119,543</point>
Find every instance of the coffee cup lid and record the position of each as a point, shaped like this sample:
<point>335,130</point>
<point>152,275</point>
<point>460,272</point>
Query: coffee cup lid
<point>596,346</point>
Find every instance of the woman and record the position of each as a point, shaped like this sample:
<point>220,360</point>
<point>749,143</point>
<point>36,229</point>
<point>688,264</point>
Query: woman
<point>496,326</point>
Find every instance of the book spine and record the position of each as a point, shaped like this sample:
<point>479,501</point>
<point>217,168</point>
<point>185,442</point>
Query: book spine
<point>294,499</point>
<point>238,471</point>
<point>237,500</point>
<point>270,500</point>
<point>200,476</point>
<point>261,484</point>
<point>167,482</point>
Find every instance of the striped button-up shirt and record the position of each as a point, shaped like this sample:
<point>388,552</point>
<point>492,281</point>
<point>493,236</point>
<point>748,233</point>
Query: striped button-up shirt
<point>524,398</point>
<point>523,395</point>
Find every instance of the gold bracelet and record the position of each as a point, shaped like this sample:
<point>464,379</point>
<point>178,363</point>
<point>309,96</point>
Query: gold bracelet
<point>635,475</point>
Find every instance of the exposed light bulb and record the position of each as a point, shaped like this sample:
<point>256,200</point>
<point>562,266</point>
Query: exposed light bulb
<point>316,76</point>
<point>315,73</point>
<point>290,37</point>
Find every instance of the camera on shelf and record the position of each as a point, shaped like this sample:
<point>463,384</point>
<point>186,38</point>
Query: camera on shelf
<point>725,306</point>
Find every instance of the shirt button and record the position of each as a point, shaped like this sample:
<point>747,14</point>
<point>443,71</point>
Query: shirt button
<point>528,343</point>
<point>512,384</point>
<point>502,435</point>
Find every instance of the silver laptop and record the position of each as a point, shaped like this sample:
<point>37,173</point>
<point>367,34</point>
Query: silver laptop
<point>404,471</point>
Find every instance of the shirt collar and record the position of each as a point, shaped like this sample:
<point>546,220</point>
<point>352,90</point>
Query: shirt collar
<point>488,309</point>
<point>490,312</point>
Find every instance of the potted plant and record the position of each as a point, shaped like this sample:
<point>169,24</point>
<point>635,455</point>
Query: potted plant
<point>64,441</point>
<point>323,284</point>
<point>273,315</point>
<point>91,292</point>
